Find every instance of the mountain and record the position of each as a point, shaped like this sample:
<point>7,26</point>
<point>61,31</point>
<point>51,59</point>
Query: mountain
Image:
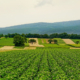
<point>44,28</point>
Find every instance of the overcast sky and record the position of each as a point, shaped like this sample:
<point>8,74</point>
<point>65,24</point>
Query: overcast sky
<point>16,12</point>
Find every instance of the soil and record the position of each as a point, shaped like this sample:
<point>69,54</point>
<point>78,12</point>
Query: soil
<point>68,41</point>
<point>7,48</point>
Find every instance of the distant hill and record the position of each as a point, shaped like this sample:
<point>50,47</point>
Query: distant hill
<point>44,28</point>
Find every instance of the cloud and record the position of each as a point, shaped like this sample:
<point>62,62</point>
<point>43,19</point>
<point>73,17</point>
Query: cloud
<point>44,2</point>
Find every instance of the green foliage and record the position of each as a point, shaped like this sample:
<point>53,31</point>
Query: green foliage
<point>77,42</point>
<point>32,41</point>
<point>40,64</point>
<point>6,36</point>
<point>55,41</point>
<point>25,39</point>
<point>19,40</point>
<point>50,40</point>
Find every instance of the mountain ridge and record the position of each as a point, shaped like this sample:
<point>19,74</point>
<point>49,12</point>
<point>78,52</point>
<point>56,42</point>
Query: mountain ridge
<point>44,28</point>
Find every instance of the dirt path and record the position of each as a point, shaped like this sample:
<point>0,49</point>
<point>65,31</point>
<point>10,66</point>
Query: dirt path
<point>7,48</point>
<point>68,41</point>
<point>35,44</point>
<point>74,48</point>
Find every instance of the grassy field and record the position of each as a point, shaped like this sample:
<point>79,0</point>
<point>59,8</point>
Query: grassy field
<point>75,45</point>
<point>39,41</point>
<point>74,40</point>
<point>8,42</point>
<point>40,64</point>
<point>60,41</point>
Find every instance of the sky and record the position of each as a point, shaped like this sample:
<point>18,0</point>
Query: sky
<point>16,12</point>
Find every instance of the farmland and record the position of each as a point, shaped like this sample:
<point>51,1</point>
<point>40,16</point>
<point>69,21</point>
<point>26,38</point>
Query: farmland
<point>61,43</point>
<point>8,42</point>
<point>40,64</point>
<point>74,40</point>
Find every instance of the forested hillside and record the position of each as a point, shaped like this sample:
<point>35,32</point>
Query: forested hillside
<point>44,28</point>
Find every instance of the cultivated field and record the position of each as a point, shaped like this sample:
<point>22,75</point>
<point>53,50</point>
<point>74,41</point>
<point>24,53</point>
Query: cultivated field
<point>35,44</point>
<point>9,42</point>
<point>68,41</point>
<point>74,40</point>
<point>40,42</point>
<point>40,64</point>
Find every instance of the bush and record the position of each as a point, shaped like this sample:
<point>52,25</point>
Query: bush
<point>19,40</point>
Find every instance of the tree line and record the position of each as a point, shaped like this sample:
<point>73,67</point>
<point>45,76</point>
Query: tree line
<point>54,35</point>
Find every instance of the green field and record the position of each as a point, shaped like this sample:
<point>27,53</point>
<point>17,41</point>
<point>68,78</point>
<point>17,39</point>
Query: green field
<point>9,42</point>
<point>60,41</point>
<point>40,64</point>
<point>74,40</point>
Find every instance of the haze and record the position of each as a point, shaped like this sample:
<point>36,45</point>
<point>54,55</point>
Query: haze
<point>16,12</point>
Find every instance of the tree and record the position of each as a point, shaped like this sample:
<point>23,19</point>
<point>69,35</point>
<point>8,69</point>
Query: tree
<point>77,42</point>
<point>18,40</point>
<point>50,40</point>
<point>55,41</point>
<point>32,41</point>
<point>25,39</point>
<point>6,36</point>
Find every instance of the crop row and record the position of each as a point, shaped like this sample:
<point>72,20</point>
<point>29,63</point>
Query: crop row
<point>40,64</point>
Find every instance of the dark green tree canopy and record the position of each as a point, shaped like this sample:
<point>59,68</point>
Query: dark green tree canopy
<point>32,41</point>
<point>50,40</point>
<point>55,41</point>
<point>77,42</point>
<point>19,40</point>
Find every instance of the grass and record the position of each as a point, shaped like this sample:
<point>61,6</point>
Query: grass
<point>60,44</point>
<point>56,46</point>
<point>44,40</point>
<point>39,41</point>
<point>9,42</point>
<point>74,40</point>
<point>6,42</point>
<point>60,41</point>
<point>74,45</point>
